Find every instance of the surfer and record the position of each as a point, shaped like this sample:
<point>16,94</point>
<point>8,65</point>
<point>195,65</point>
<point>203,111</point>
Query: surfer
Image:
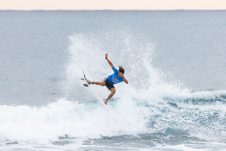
<point>116,77</point>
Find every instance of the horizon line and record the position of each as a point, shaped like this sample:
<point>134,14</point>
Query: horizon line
<point>113,9</point>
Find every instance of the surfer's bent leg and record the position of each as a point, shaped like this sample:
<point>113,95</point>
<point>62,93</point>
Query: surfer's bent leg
<point>102,83</point>
<point>113,90</point>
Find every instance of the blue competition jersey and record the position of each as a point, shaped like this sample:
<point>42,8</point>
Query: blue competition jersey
<point>114,78</point>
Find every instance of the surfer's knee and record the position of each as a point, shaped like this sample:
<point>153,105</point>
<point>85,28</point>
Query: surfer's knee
<point>102,83</point>
<point>113,90</point>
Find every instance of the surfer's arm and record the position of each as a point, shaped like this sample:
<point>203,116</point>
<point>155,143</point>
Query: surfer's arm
<point>109,62</point>
<point>125,80</point>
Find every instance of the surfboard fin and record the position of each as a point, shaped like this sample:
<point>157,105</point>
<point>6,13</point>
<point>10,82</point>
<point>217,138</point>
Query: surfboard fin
<point>86,85</point>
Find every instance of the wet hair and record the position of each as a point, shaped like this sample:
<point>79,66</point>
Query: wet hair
<point>121,69</point>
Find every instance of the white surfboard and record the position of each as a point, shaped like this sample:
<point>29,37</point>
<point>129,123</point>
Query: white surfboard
<point>86,84</point>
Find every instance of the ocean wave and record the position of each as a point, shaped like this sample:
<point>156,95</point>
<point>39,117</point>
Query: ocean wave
<point>149,106</point>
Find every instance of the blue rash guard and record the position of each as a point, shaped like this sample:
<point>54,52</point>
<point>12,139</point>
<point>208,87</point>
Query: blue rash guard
<point>114,78</point>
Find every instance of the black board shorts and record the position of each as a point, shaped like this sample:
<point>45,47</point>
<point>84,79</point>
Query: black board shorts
<point>108,84</point>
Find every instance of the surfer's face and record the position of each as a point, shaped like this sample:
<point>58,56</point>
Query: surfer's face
<point>120,74</point>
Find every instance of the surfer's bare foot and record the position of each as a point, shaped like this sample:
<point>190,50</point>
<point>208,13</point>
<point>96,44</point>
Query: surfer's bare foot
<point>89,82</point>
<point>105,102</point>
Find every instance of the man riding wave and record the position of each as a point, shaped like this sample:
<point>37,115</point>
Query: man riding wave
<point>116,77</point>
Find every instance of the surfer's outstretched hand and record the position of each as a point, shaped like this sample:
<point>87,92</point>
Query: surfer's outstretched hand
<point>106,55</point>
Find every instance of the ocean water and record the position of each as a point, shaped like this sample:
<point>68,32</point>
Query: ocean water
<point>174,61</point>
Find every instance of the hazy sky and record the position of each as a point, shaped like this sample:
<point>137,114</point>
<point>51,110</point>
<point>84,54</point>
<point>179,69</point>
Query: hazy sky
<point>111,4</point>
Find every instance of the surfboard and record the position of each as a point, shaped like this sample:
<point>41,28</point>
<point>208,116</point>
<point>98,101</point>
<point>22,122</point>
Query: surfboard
<point>86,84</point>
